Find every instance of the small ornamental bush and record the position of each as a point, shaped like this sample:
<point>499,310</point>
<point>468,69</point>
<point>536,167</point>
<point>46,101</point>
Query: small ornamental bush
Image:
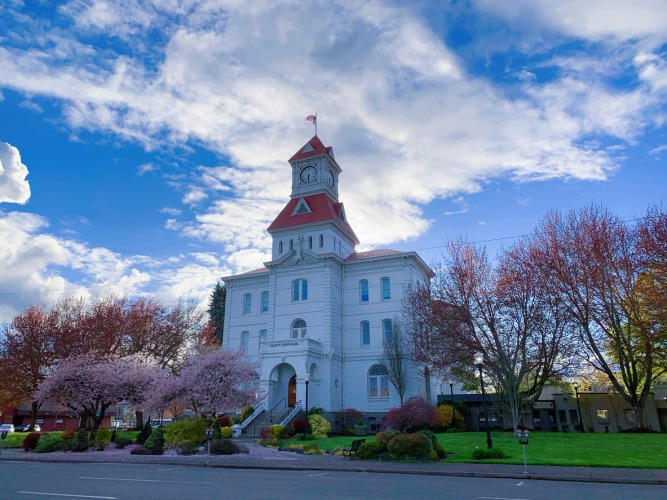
<point>437,447</point>
<point>121,441</point>
<point>370,450</point>
<point>226,432</point>
<point>485,454</point>
<point>113,436</point>
<point>155,443</point>
<point>186,431</point>
<point>80,442</point>
<point>316,410</point>
<point>299,425</point>
<point>415,414</point>
<point>138,450</point>
<point>224,447</point>
<point>68,435</point>
<point>276,432</point>
<point>319,426</point>
<point>145,433</point>
<point>444,418</point>
<point>383,438</point>
<point>49,443</point>
<point>247,411</point>
<point>188,449</point>
<point>225,421</point>
<point>263,433</point>
<point>410,446</point>
<point>30,441</point>
<point>102,438</point>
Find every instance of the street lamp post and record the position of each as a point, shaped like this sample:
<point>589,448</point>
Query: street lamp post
<point>451,392</point>
<point>479,363</point>
<point>581,423</point>
<point>307,378</point>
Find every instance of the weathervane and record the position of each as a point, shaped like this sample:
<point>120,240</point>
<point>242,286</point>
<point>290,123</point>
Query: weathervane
<point>313,119</point>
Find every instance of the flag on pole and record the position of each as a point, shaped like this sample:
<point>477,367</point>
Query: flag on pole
<point>313,119</point>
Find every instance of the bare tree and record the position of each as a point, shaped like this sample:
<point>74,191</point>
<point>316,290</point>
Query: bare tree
<point>395,360</point>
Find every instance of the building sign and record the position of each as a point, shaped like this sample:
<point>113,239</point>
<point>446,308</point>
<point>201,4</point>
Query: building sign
<point>284,344</point>
<point>544,405</point>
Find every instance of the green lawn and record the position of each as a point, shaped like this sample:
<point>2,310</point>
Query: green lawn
<point>550,448</point>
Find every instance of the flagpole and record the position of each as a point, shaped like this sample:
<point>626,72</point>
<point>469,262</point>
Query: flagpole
<point>315,123</point>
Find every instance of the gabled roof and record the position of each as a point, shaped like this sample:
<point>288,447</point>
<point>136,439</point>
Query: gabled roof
<point>322,208</point>
<point>313,147</point>
<point>372,254</point>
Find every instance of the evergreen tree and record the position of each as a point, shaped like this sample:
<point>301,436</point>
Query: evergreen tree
<point>216,309</point>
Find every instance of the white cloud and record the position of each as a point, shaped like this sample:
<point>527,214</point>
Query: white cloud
<point>145,168</point>
<point>14,187</point>
<point>657,150</point>
<point>171,211</point>
<point>461,203</point>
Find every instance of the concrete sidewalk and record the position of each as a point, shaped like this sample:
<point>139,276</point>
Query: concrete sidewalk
<point>292,461</point>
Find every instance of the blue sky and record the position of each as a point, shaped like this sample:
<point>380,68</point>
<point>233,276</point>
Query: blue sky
<point>144,144</point>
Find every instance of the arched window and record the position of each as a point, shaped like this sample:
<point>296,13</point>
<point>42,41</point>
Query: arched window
<point>291,244</point>
<point>280,247</point>
<point>299,329</point>
<point>247,301</point>
<point>265,301</point>
<point>365,331</point>
<point>387,330</point>
<point>310,242</point>
<point>299,290</point>
<point>378,382</point>
<point>321,240</point>
<point>386,288</point>
<point>262,337</point>
<point>245,338</point>
<point>363,290</point>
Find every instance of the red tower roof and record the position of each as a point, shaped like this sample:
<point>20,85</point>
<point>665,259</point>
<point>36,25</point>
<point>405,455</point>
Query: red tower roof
<point>322,209</point>
<point>313,147</point>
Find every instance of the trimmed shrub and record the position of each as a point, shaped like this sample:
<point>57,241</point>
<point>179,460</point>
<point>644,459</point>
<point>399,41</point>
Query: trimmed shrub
<point>188,449</point>
<point>224,447</point>
<point>276,432</point>
<point>309,437</point>
<point>145,433</point>
<point>410,446</point>
<point>155,443</point>
<point>68,435</point>
<point>263,433</point>
<point>30,441</point>
<point>319,426</point>
<point>121,441</point>
<point>139,450</point>
<point>225,433</point>
<point>299,425</point>
<point>247,411</point>
<point>351,416</point>
<point>185,431</point>
<point>384,437</point>
<point>445,419</point>
<point>452,430</point>
<point>225,421</point>
<point>80,442</point>
<point>485,454</point>
<point>370,450</point>
<point>437,447</point>
<point>415,414</point>
<point>316,410</point>
<point>49,443</point>
<point>102,438</point>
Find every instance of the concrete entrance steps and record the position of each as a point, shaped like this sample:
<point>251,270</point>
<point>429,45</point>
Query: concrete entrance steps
<point>264,419</point>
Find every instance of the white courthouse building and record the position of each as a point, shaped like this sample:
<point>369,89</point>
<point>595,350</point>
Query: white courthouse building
<point>319,307</point>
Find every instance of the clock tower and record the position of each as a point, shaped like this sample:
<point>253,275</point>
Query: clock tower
<point>314,170</point>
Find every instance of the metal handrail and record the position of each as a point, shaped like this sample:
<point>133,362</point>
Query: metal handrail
<point>295,411</point>
<point>254,415</point>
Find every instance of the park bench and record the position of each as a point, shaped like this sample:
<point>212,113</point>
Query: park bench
<point>354,447</point>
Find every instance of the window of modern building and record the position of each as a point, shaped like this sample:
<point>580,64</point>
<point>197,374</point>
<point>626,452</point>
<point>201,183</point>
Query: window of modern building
<point>280,247</point>
<point>299,329</point>
<point>247,300</point>
<point>363,291</point>
<point>387,330</point>
<point>245,339</point>
<point>310,242</point>
<point>299,290</point>
<point>603,416</point>
<point>265,301</point>
<point>378,382</point>
<point>321,240</point>
<point>386,288</point>
<point>365,330</point>
<point>262,337</point>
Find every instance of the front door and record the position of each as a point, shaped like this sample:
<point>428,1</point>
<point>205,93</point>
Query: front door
<point>291,392</point>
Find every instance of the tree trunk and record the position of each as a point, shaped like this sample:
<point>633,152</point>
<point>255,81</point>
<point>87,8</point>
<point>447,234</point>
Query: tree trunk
<point>34,408</point>
<point>139,424</point>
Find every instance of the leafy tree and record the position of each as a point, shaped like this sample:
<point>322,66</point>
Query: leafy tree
<point>415,414</point>
<point>395,360</point>
<point>216,309</point>
<point>604,272</point>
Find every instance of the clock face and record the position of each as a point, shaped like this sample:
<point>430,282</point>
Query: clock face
<point>308,175</point>
<point>330,178</point>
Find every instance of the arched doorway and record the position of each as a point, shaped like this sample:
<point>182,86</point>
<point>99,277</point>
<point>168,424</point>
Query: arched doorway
<point>291,392</point>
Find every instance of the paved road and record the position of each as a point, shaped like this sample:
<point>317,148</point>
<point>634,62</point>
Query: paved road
<point>23,480</point>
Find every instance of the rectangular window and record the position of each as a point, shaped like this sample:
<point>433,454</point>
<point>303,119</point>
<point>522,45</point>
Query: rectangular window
<point>373,387</point>
<point>387,330</point>
<point>363,291</point>
<point>537,418</point>
<point>574,416</point>
<point>384,387</point>
<point>262,337</point>
<point>299,290</point>
<point>603,416</point>
<point>247,298</point>
<point>386,288</point>
<point>365,333</point>
<point>304,289</point>
<point>245,338</point>
<point>265,301</point>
